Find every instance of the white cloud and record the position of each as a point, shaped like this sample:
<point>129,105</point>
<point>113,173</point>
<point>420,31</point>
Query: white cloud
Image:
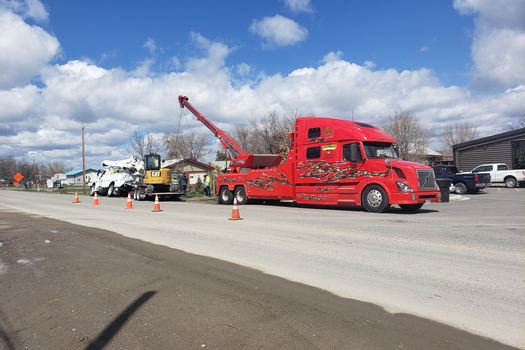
<point>216,53</point>
<point>498,47</point>
<point>110,103</point>
<point>24,50</point>
<point>299,5</point>
<point>279,31</point>
<point>33,9</point>
<point>332,56</point>
<point>151,46</point>
<point>243,69</point>
<point>18,103</point>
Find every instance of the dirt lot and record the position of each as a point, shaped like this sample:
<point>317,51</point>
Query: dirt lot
<point>65,286</point>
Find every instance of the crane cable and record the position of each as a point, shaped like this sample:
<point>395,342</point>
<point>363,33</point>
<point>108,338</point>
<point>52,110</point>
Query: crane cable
<point>178,127</point>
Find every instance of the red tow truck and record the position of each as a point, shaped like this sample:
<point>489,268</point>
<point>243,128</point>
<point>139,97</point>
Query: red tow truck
<point>330,162</point>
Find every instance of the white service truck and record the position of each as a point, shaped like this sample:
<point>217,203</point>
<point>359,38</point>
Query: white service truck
<point>500,173</point>
<point>117,177</point>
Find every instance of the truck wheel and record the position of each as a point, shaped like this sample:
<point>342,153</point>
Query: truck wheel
<point>225,195</point>
<point>240,195</point>
<point>92,190</point>
<point>411,207</point>
<point>111,190</point>
<point>460,188</point>
<point>511,182</point>
<point>375,199</point>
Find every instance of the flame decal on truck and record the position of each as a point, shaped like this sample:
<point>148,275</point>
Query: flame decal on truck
<point>332,172</point>
<point>311,197</point>
<point>267,182</point>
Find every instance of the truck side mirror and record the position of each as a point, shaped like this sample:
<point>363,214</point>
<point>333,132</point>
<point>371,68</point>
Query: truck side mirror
<point>355,153</point>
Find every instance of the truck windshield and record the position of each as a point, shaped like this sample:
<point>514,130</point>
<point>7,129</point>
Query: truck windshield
<point>380,150</point>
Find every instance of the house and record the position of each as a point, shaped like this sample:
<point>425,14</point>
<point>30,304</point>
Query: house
<point>74,177</point>
<point>507,147</point>
<point>433,157</point>
<point>191,167</point>
<point>57,180</point>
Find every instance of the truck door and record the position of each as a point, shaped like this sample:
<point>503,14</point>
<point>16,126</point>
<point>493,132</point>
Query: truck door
<point>500,172</point>
<point>350,175</point>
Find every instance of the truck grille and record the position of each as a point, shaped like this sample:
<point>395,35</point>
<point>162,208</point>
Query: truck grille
<point>426,179</point>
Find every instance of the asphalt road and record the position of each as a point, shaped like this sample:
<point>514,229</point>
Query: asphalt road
<point>460,263</point>
<point>66,286</point>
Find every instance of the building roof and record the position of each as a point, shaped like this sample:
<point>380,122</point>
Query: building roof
<point>75,172</point>
<point>491,138</point>
<point>430,152</point>
<point>169,163</point>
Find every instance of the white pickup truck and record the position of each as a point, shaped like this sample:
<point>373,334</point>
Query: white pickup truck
<point>117,177</point>
<point>500,173</point>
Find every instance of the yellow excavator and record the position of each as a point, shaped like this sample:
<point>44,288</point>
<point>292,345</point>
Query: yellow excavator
<point>164,182</point>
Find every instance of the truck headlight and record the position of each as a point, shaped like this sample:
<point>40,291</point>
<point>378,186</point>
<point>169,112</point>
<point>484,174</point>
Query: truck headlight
<point>403,187</point>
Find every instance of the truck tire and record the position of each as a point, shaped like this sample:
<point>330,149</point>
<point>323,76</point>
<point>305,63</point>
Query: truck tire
<point>411,207</point>
<point>461,188</point>
<point>225,195</point>
<point>92,190</point>
<point>374,199</point>
<point>240,195</point>
<point>111,190</point>
<point>511,182</point>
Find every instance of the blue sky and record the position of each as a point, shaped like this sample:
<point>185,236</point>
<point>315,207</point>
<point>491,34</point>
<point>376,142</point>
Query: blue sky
<point>398,34</point>
<point>114,66</point>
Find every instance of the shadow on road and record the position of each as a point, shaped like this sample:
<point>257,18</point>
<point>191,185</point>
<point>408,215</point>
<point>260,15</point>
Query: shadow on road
<point>5,340</point>
<point>114,327</point>
<point>392,210</point>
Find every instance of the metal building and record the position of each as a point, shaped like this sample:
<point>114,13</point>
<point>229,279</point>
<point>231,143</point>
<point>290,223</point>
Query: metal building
<point>507,147</point>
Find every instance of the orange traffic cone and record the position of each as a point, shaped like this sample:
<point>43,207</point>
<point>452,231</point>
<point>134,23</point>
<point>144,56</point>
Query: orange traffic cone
<point>95,200</point>
<point>129,202</point>
<point>76,200</point>
<point>235,212</point>
<point>156,205</point>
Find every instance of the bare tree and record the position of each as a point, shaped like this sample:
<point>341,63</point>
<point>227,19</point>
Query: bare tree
<point>457,133</point>
<point>8,167</point>
<point>267,135</point>
<point>34,173</point>
<point>154,144</point>
<point>242,135</point>
<point>191,145</point>
<point>52,168</point>
<point>411,138</point>
<point>142,143</point>
<point>518,123</point>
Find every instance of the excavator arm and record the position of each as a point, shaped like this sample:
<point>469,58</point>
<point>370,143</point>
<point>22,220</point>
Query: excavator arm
<point>227,141</point>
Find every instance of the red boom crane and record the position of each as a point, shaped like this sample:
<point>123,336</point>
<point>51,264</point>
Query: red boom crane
<point>240,158</point>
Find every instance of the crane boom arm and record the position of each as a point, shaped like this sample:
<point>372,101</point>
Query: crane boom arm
<point>227,141</point>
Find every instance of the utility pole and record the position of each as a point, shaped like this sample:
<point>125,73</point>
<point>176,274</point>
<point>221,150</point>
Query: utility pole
<point>83,165</point>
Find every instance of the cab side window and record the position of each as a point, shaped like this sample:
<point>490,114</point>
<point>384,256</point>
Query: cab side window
<point>503,167</point>
<point>482,168</point>
<point>313,152</point>
<point>314,132</point>
<point>352,152</point>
